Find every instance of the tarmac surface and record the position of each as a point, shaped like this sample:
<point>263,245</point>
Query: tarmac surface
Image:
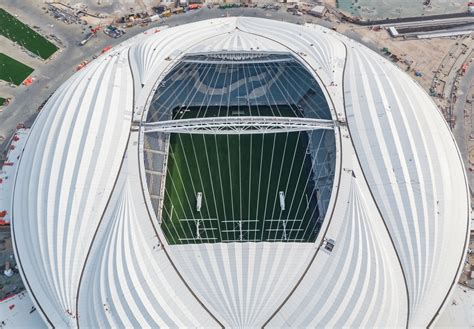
<point>462,129</point>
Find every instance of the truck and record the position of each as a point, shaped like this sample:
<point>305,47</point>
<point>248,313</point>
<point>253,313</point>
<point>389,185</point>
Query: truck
<point>87,38</point>
<point>194,6</point>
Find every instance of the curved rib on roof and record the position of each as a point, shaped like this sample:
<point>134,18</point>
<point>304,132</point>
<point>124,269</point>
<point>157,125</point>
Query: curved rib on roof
<point>91,250</point>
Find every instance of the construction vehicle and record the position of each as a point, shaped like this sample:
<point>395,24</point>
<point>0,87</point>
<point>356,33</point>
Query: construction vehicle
<point>86,39</point>
<point>81,65</point>
<point>178,10</point>
<point>113,31</point>
<point>90,35</point>
<point>166,13</point>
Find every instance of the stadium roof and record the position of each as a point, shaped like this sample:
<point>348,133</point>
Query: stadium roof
<point>92,251</point>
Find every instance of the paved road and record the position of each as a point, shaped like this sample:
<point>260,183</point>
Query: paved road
<point>462,129</point>
<point>464,16</point>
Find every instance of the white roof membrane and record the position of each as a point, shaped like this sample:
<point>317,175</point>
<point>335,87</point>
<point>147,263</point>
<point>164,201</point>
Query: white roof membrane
<point>91,249</point>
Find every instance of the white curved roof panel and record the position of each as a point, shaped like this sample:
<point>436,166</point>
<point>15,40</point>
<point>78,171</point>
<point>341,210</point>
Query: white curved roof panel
<point>92,250</point>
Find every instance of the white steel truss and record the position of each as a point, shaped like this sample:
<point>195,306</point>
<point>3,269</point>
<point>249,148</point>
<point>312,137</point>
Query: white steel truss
<point>237,125</point>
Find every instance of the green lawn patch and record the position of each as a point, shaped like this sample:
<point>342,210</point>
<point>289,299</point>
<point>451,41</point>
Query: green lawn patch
<point>240,177</point>
<point>13,71</point>
<point>22,34</point>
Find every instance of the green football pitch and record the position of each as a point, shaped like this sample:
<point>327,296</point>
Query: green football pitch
<point>13,29</point>
<point>13,71</point>
<point>240,178</point>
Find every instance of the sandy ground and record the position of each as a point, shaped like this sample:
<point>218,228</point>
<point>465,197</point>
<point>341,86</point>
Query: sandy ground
<point>425,55</point>
<point>379,9</point>
<point>330,3</point>
<point>116,6</point>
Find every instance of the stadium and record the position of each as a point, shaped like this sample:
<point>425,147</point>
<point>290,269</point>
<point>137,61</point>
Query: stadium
<point>240,172</point>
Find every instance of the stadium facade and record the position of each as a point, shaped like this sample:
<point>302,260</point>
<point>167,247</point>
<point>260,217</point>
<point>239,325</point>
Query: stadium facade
<point>240,172</point>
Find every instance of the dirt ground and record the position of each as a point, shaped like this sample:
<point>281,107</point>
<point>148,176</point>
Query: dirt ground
<point>115,7</point>
<point>424,55</point>
<point>330,3</point>
<point>380,9</point>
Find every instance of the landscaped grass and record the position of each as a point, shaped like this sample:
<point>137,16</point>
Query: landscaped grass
<point>15,30</point>
<point>240,177</point>
<point>13,71</point>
